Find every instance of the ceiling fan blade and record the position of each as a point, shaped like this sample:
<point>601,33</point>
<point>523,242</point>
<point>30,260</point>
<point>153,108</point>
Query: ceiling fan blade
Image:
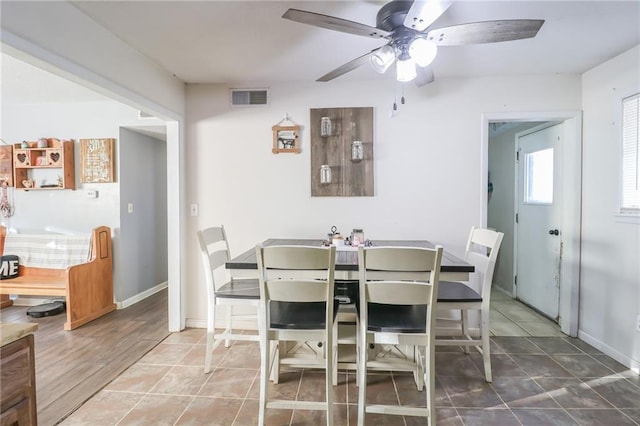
<point>349,66</point>
<point>485,32</point>
<point>425,76</point>
<point>424,13</point>
<point>333,23</point>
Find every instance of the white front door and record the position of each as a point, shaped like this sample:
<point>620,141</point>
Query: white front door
<point>538,218</point>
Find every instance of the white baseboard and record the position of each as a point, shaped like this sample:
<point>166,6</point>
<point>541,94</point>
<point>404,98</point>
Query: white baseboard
<point>33,301</point>
<point>202,323</point>
<point>632,364</point>
<point>502,290</point>
<point>141,296</point>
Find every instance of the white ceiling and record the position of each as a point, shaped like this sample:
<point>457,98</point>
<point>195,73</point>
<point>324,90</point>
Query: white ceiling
<point>248,44</point>
<point>244,43</point>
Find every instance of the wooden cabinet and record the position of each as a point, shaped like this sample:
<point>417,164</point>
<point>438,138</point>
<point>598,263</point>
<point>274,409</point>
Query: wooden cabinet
<point>50,167</point>
<point>18,383</point>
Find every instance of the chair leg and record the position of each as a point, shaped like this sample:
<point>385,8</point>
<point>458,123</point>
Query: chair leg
<point>275,348</point>
<point>362,377</point>
<point>264,379</point>
<point>329,377</point>
<point>229,329</point>
<point>419,369</point>
<point>429,382</point>
<point>211,337</point>
<point>464,316</point>
<point>208,359</point>
<point>335,353</point>
<point>486,344</point>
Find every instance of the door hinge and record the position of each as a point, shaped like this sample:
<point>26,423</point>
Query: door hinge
<point>518,155</point>
<point>516,217</point>
<point>515,280</point>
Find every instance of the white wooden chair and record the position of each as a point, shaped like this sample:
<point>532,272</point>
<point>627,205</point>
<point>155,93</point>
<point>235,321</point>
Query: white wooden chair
<point>297,304</point>
<point>223,290</point>
<point>398,287</point>
<point>482,250</point>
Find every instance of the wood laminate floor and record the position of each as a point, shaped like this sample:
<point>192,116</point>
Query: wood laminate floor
<point>72,366</point>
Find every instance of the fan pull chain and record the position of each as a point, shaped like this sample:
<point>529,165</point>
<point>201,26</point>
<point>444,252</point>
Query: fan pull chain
<point>394,106</point>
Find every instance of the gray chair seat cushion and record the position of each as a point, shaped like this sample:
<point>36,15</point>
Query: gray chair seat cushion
<point>240,289</point>
<point>396,318</point>
<point>299,315</point>
<point>454,291</point>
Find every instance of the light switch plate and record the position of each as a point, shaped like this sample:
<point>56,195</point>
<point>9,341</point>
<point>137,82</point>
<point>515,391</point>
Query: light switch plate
<point>194,210</point>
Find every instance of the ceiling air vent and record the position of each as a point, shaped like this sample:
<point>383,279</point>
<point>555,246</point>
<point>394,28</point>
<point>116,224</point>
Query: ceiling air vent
<point>244,97</point>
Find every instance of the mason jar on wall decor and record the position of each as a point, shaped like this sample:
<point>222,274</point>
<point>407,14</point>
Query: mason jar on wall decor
<point>325,174</point>
<point>325,126</point>
<point>357,151</point>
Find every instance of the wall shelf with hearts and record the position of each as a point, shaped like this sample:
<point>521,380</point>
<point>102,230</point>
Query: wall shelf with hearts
<point>37,165</point>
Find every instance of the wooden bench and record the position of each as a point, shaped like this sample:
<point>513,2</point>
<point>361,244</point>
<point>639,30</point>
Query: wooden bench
<point>87,287</point>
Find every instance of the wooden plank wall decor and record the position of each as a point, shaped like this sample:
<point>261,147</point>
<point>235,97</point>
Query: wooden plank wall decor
<point>348,178</point>
<point>97,160</point>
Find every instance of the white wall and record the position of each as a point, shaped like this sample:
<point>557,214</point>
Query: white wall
<point>500,208</point>
<point>72,209</point>
<point>610,271</point>
<point>58,33</point>
<point>427,162</point>
<point>142,259</point>
<point>87,53</point>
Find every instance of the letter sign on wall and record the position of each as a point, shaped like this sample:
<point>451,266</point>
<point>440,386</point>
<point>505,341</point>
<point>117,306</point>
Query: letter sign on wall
<point>96,160</point>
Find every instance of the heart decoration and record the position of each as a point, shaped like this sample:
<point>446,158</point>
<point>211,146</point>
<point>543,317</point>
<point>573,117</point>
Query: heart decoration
<point>55,156</point>
<point>22,157</point>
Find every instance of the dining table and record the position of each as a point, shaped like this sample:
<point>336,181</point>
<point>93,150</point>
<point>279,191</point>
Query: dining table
<point>452,268</point>
<point>245,265</point>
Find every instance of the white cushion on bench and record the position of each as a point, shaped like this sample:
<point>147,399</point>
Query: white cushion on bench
<point>54,251</point>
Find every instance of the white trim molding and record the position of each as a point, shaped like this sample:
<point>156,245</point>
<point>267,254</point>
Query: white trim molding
<point>572,203</point>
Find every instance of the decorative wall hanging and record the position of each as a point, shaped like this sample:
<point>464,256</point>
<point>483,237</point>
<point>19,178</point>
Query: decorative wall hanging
<point>6,209</point>
<point>286,138</point>
<point>97,160</point>
<point>6,163</point>
<point>342,152</point>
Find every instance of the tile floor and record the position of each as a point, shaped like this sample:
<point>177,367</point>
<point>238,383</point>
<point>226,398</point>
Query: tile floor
<point>552,380</point>
<point>511,318</point>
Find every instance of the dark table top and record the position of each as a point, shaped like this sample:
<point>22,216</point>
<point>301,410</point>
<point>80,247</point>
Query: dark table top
<point>348,260</point>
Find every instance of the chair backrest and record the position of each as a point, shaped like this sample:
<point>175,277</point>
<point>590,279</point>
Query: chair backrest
<point>482,251</point>
<point>214,249</point>
<point>400,276</point>
<point>296,274</point>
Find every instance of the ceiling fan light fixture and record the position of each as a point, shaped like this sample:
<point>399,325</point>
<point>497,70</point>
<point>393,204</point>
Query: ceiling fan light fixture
<point>406,70</point>
<point>382,59</point>
<point>422,51</point>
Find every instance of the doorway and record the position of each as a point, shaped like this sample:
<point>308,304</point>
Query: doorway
<point>538,213</point>
<point>494,187</point>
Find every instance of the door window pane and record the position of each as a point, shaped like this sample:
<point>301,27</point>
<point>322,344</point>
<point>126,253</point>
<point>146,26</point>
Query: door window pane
<point>538,176</point>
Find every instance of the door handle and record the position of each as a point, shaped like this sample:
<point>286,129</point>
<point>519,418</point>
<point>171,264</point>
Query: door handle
<point>554,232</point>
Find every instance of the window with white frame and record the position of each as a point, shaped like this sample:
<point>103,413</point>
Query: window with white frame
<point>630,200</point>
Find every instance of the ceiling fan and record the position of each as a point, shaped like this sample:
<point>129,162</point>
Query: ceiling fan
<point>412,42</point>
